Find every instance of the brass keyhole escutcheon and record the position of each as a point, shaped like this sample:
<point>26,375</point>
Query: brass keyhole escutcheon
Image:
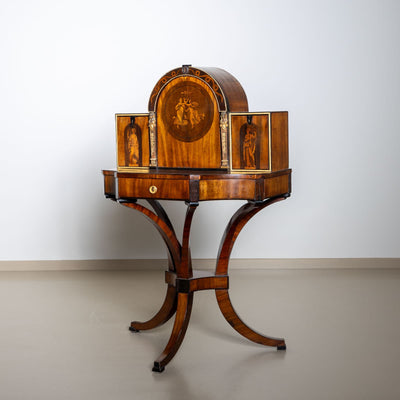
<point>153,189</point>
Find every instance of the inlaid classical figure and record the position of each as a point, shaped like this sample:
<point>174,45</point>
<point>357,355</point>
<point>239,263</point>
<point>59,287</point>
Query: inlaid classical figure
<point>187,112</point>
<point>133,145</point>
<point>248,147</point>
<point>133,153</point>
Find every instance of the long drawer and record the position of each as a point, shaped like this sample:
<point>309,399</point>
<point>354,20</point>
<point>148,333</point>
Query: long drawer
<point>157,188</point>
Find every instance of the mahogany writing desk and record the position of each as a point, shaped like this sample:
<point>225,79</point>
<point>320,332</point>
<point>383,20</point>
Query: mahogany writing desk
<point>198,143</point>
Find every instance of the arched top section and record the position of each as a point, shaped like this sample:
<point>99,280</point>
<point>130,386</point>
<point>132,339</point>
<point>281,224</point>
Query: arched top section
<point>227,90</point>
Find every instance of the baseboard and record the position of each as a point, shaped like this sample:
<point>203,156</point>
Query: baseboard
<point>236,263</point>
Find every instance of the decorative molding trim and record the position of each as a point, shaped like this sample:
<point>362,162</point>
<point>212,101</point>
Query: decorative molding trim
<point>224,139</point>
<point>236,263</point>
<point>190,71</point>
<point>153,138</point>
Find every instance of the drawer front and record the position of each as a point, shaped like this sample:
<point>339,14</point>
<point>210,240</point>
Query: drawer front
<point>172,189</point>
<point>225,189</point>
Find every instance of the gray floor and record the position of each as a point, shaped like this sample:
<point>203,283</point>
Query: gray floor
<point>63,335</point>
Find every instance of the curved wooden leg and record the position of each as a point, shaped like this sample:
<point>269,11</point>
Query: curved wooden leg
<point>234,320</point>
<point>159,210</point>
<point>164,226</point>
<point>184,269</point>
<point>179,262</point>
<point>235,225</point>
<point>167,310</point>
<point>184,309</point>
<point>184,300</point>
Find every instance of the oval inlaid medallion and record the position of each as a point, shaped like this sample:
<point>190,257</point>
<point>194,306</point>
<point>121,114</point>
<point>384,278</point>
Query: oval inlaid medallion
<point>187,111</point>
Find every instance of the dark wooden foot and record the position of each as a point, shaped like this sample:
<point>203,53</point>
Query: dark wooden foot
<point>167,310</point>
<point>182,317</point>
<point>157,367</point>
<point>234,320</point>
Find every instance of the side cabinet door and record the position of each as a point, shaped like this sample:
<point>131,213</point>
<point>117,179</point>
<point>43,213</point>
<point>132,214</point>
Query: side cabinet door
<point>250,142</point>
<point>133,152</point>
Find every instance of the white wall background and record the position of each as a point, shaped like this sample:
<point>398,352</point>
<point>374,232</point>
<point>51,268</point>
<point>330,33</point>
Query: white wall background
<point>68,66</point>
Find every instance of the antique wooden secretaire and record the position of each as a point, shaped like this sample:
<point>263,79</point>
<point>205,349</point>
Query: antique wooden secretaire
<point>198,142</point>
